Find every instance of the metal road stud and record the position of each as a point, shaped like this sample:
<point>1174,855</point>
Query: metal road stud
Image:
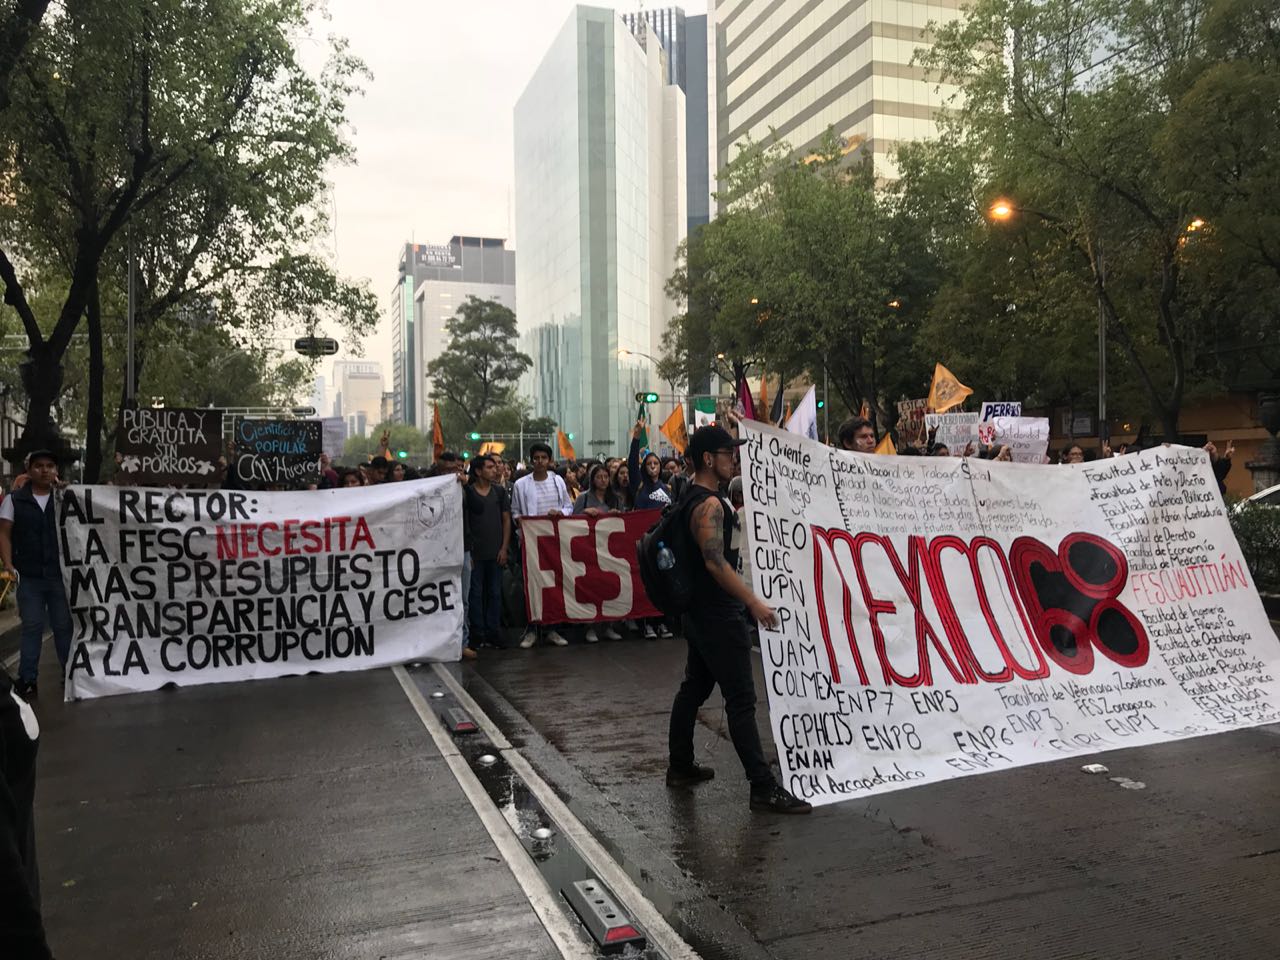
<point>612,927</point>
<point>460,721</point>
<point>543,833</point>
<point>486,759</point>
<point>437,694</point>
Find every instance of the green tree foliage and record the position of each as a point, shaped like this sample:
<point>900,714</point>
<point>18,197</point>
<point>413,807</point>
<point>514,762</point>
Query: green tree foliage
<point>798,274</point>
<point>193,126</point>
<point>1067,112</point>
<point>478,370</point>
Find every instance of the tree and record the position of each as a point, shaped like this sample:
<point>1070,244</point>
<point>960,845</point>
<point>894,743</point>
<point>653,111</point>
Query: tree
<point>804,272</point>
<point>1063,110</point>
<point>478,370</point>
<point>16,29</point>
<point>195,125</point>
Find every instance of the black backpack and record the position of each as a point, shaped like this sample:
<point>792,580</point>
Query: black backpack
<point>672,591</point>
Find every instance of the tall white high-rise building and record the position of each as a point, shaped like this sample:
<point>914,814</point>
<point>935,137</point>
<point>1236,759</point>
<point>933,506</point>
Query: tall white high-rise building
<point>359,401</point>
<point>601,205</point>
<point>800,68</point>
<point>435,279</point>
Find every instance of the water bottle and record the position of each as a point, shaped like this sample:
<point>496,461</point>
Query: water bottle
<point>666,559</point>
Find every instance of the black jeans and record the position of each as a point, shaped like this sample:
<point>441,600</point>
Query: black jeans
<point>719,653</point>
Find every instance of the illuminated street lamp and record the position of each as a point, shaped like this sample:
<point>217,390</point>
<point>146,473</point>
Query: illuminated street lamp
<point>1001,210</point>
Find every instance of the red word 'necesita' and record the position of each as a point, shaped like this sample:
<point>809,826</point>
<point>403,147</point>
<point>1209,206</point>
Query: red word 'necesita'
<point>1066,604</point>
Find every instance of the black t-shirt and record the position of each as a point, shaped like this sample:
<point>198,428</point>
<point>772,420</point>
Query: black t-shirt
<point>484,519</point>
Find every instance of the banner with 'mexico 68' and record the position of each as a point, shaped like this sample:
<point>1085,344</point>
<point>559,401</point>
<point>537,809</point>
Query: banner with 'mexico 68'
<point>211,586</point>
<point>940,617</point>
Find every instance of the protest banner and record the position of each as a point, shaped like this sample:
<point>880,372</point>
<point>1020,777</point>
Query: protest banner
<point>212,586</point>
<point>944,617</point>
<point>1026,437</point>
<point>583,569</point>
<point>169,445</point>
<point>911,431</point>
<point>997,408</point>
<point>278,451</point>
<point>953,430</point>
<point>334,430</point>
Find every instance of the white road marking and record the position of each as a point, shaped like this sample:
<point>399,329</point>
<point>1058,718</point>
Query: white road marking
<point>541,897</point>
<point>598,859</point>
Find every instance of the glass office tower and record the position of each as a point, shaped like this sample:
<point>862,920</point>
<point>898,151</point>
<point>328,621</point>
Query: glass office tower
<point>600,209</point>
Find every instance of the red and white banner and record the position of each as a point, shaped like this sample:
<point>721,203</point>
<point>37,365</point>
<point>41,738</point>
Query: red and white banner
<point>583,569</point>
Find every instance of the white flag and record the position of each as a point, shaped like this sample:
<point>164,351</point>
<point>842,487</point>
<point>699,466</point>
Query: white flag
<point>804,420</point>
<point>702,418</point>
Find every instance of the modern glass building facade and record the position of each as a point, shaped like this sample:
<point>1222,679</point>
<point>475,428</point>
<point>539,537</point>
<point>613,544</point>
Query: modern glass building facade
<point>801,67</point>
<point>434,280</point>
<point>684,42</point>
<point>600,208</point>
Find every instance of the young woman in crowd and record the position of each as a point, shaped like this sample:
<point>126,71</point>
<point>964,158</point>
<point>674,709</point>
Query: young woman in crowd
<point>621,487</point>
<point>596,501</point>
<point>647,492</point>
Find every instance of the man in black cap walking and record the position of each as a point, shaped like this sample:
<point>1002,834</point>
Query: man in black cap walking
<point>29,548</point>
<point>719,646</point>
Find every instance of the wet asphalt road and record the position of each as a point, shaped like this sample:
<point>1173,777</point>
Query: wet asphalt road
<point>312,817</point>
<point>1042,861</point>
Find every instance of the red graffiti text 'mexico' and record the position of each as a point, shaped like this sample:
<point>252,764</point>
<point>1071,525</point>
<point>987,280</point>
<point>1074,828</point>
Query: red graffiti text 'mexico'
<point>1064,606</point>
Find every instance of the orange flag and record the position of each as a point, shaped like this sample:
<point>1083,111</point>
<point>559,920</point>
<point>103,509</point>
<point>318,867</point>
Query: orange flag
<point>886,446</point>
<point>494,447</point>
<point>946,391</point>
<point>566,448</point>
<point>864,413</point>
<point>676,430</point>
<point>437,433</point>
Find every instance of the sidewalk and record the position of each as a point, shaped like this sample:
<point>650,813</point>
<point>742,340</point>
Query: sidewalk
<point>295,818</point>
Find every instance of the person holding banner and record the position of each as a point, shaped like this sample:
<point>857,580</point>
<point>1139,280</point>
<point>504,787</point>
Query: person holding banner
<point>21,927</point>
<point>488,510</point>
<point>595,501</point>
<point>858,434</point>
<point>29,550</point>
<point>719,646</point>
<point>541,493</point>
<point>648,492</point>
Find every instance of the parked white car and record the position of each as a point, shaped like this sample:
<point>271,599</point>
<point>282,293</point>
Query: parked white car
<point>1269,497</point>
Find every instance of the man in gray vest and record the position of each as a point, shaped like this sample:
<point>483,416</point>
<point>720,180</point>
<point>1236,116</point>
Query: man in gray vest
<point>29,548</point>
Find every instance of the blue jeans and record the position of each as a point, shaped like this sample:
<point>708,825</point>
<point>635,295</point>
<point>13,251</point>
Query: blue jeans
<point>36,597</point>
<point>486,599</point>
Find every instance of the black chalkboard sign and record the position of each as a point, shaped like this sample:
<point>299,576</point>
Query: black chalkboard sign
<point>278,451</point>
<point>169,445</point>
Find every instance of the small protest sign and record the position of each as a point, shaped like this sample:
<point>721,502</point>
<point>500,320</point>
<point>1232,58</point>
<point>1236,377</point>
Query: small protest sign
<point>999,408</point>
<point>169,445</point>
<point>278,451</point>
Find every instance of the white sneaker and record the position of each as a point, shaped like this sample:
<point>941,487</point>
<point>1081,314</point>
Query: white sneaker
<point>527,640</point>
<point>611,634</point>
<point>591,636</point>
<point>559,641</point>
<point>649,632</point>
<point>665,632</point>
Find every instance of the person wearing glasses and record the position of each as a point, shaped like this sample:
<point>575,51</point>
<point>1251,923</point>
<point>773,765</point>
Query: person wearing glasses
<point>716,631</point>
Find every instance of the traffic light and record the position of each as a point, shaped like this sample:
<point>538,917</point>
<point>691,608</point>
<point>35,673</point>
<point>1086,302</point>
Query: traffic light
<point>570,436</point>
<point>821,404</point>
<point>473,435</point>
<point>646,398</point>
<point>402,454</point>
<point>466,454</point>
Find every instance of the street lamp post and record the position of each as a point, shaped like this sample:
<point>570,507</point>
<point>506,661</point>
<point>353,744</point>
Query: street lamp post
<point>1001,211</point>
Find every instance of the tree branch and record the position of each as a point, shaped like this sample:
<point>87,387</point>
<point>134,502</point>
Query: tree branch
<point>16,298</point>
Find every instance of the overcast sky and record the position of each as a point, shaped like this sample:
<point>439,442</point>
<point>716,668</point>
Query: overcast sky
<point>432,131</point>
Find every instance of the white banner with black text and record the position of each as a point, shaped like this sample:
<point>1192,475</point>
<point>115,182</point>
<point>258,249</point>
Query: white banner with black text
<point>940,617</point>
<point>211,586</point>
